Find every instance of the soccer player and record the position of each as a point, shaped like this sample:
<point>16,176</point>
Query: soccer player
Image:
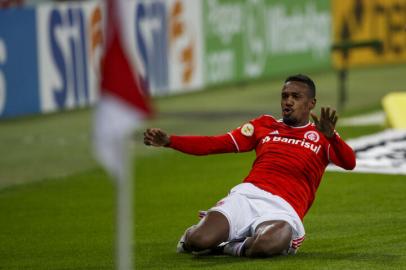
<point>263,216</point>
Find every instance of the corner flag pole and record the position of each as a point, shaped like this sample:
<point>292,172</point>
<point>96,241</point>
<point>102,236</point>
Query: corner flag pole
<point>124,216</point>
<point>115,122</point>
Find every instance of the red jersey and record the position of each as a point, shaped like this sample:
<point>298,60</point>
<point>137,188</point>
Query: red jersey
<point>290,161</point>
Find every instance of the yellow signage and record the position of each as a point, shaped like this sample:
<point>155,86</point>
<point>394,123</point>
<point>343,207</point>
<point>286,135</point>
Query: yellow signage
<point>394,105</point>
<point>369,22</point>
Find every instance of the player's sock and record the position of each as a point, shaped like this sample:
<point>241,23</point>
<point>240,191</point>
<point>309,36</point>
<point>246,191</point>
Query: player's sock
<point>235,248</point>
<point>202,214</point>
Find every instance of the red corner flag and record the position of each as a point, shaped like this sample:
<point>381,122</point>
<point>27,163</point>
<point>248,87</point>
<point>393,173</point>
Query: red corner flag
<point>123,105</point>
<point>119,78</point>
<point>123,102</point>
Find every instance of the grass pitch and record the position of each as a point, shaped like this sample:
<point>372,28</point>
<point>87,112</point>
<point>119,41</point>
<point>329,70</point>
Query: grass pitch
<point>57,206</point>
<point>357,221</point>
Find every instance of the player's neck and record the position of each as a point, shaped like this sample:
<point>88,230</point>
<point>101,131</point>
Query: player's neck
<point>302,123</point>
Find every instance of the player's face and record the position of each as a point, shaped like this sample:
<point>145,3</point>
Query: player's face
<point>296,103</point>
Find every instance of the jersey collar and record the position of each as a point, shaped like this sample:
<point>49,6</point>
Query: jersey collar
<point>304,126</point>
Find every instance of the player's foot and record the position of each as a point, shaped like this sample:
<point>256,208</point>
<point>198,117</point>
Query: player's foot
<point>181,246</point>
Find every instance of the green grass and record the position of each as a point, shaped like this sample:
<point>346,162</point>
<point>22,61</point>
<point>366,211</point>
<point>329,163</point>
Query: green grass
<point>357,221</point>
<point>57,205</point>
<point>63,224</point>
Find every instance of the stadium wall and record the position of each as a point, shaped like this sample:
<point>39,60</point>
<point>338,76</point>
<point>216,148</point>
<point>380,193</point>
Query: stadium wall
<point>50,54</point>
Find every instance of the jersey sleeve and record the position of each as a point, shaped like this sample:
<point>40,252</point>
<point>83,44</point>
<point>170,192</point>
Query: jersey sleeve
<point>245,136</point>
<point>241,139</point>
<point>202,145</point>
<point>340,153</point>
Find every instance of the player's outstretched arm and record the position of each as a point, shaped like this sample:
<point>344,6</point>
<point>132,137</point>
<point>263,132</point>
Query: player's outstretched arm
<point>194,145</point>
<point>156,137</point>
<point>340,153</point>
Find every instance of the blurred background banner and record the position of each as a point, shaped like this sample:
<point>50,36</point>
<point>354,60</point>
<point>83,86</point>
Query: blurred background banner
<point>185,36</point>
<point>168,42</point>
<point>298,36</point>
<point>67,64</point>
<point>19,81</point>
<point>371,20</point>
<point>178,45</point>
<point>223,37</point>
<point>262,38</point>
<point>186,45</point>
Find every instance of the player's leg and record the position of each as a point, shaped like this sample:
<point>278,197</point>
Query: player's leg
<point>270,238</point>
<point>274,229</point>
<point>208,234</point>
<point>230,219</point>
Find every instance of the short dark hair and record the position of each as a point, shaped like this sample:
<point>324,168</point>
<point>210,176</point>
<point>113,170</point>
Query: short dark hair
<point>304,79</point>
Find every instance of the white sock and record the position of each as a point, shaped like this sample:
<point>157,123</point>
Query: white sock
<point>235,248</point>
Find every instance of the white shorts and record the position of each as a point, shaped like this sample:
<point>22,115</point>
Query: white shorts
<point>247,206</point>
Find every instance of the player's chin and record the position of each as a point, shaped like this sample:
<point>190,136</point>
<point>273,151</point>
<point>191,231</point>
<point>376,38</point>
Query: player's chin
<point>289,120</point>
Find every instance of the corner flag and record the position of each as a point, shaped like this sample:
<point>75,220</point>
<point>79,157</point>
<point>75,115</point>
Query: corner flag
<point>123,105</point>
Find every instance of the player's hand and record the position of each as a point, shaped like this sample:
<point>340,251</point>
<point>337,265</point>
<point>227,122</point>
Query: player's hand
<point>156,137</point>
<point>327,122</point>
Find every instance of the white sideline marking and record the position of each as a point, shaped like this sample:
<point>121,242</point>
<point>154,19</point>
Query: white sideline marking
<point>375,118</point>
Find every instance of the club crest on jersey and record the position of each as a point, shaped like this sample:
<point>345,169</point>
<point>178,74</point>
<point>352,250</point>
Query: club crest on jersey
<point>247,130</point>
<point>312,136</point>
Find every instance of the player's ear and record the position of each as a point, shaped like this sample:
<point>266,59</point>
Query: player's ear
<point>313,103</point>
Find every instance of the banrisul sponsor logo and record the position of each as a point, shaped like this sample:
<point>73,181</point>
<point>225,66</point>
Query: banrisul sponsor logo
<point>70,46</point>
<point>67,43</point>
<point>303,143</point>
<point>299,30</point>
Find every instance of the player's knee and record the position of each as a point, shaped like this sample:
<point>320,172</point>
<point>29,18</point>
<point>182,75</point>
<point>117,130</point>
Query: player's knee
<point>272,241</point>
<point>198,240</point>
